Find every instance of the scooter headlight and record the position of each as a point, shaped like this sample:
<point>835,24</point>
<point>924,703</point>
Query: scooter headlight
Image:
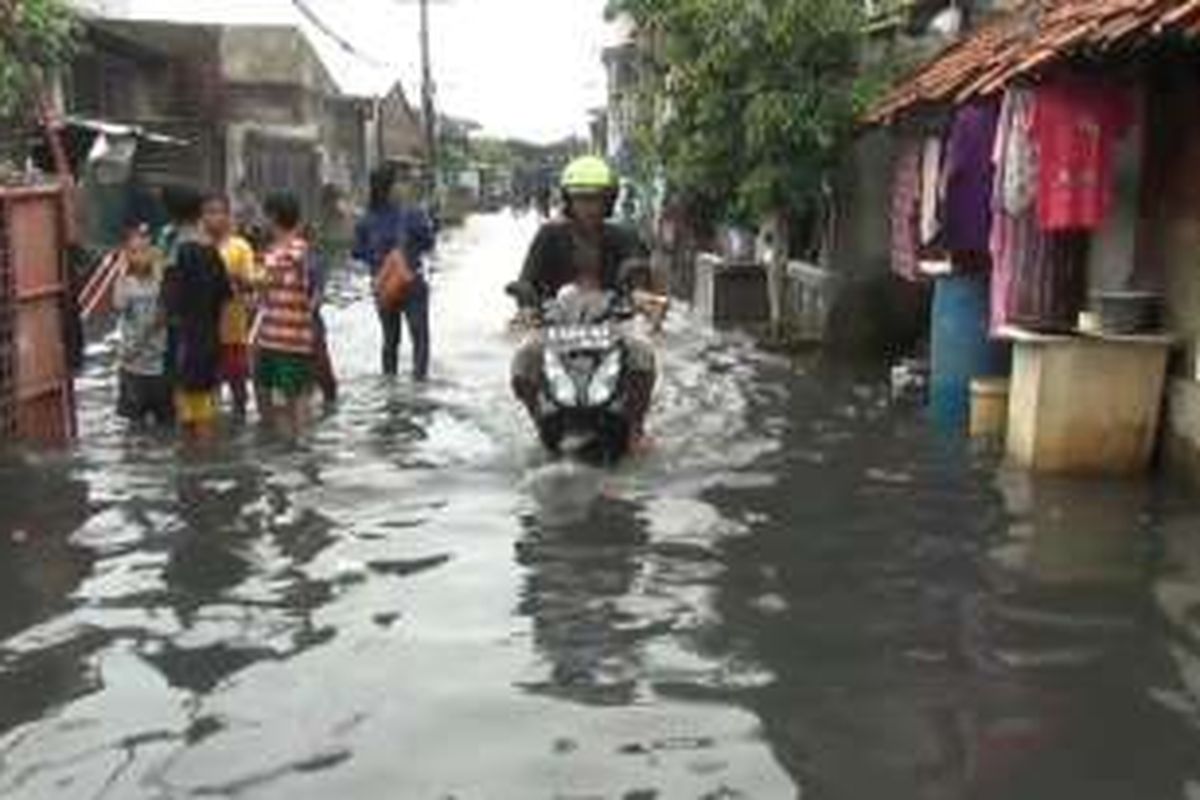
<point>604,383</point>
<point>559,383</point>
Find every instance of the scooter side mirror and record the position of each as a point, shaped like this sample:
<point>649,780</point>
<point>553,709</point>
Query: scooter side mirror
<point>524,294</point>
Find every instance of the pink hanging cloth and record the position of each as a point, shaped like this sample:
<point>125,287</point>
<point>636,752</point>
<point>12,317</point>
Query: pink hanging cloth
<point>1077,123</point>
<point>906,198</point>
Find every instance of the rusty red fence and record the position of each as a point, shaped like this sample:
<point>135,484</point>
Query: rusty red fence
<point>37,401</point>
<point>8,342</point>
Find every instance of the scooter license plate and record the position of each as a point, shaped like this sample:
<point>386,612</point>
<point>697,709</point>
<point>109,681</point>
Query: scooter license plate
<point>580,337</point>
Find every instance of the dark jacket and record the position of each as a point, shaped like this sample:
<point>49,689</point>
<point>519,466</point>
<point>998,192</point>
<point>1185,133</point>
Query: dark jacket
<point>383,230</point>
<point>195,290</point>
<point>551,262</point>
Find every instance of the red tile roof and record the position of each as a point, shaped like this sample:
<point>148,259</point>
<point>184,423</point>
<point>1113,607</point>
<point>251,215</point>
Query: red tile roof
<point>1037,34</point>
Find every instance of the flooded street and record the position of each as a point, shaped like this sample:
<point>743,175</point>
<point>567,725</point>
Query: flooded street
<point>802,592</point>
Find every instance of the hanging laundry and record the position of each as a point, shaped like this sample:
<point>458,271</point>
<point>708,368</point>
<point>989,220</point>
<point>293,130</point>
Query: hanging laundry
<point>931,190</point>
<point>969,177</point>
<point>1050,286</point>
<point>1076,125</point>
<point>906,194</point>
<point>1010,234</point>
<point>1038,277</point>
<point>1018,178</point>
<point>1039,281</point>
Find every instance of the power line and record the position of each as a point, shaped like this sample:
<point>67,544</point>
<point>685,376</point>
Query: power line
<point>345,44</point>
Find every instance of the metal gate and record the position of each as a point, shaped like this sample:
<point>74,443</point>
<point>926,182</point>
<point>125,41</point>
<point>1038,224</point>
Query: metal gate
<point>36,393</point>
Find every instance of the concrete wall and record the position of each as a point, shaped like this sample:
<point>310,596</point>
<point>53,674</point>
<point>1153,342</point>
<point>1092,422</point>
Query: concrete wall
<point>872,313</point>
<point>106,85</point>
<point>730,293</point>
<point>1169,240</point>
<point>1113,252</point>
<point>344,140</point>
<point>862,238</point>
<point>277,86</point>
<point>270,105</point>
<point>157,70</point>
<point>1183,427</point>
<point>272,55</point>
<point>280,112</point>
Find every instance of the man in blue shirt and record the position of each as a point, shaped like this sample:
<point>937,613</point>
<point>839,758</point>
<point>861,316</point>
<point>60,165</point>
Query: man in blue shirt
<point>387,226</point>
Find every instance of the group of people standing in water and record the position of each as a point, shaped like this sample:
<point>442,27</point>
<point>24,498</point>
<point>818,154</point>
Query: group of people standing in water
<point>208,315</point>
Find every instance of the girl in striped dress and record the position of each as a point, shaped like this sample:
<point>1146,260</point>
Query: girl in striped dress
<point>286,335</point>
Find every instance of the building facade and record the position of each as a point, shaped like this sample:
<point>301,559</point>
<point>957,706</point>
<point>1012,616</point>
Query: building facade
<point>242,109</point>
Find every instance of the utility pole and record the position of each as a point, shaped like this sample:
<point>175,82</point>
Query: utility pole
<point>428,108</point>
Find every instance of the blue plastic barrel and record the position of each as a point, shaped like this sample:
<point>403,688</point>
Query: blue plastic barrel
<point>962,348</point>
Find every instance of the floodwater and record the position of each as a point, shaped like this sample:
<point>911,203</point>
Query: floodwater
<point>802,592</point>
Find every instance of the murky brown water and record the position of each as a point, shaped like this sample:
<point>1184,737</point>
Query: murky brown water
<point>802,593</point>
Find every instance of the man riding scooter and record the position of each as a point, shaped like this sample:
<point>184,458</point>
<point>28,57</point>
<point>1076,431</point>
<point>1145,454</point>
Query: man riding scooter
<point>583,249</point>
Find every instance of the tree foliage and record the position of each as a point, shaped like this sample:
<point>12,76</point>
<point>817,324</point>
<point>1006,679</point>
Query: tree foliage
<point>35,35</point>
<point>759,97</point>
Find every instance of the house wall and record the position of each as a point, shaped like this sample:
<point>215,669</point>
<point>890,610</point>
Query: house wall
<point>1114,249</point>
<point>1169,242</point>
<point>109,85</point>
<point>270,55</point>
<point>156,76</point>
<point>200,163</point>
<point>278,91</point>
<point>285,115</point>
<point>871,312</point>
<point>863,230</point>
<point>139,71</point>
<point>270,104</point>
<point>399,129</point>
<point>263,160</point>
<point>344,145</point>
<point>159,76</point>
<point>255,104</point>
<point>311,150</point>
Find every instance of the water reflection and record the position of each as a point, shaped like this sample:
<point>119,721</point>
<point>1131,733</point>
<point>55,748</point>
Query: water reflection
<point>935,632</point>
<point>1070,663</point>
<point>234,575</point>
<point>39,569</point>
<point>578,576</point>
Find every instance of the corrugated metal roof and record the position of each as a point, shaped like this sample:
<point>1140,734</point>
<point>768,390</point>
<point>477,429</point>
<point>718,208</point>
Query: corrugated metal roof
<point>1037,34</point>
<point>117,129</point>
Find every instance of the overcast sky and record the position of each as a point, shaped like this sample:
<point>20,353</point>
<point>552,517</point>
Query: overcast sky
<point>528,68</point>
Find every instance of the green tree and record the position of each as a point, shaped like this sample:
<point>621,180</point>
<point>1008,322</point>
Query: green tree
<point>35,36</point>
<point>756,99</point>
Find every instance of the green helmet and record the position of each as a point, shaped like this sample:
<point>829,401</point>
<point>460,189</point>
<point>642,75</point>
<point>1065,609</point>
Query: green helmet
<point>588,175</point>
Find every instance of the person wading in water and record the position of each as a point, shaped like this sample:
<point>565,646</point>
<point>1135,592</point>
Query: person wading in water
<point>388,225</point>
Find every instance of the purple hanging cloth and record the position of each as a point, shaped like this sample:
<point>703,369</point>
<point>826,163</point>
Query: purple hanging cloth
<point>970,177</point>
